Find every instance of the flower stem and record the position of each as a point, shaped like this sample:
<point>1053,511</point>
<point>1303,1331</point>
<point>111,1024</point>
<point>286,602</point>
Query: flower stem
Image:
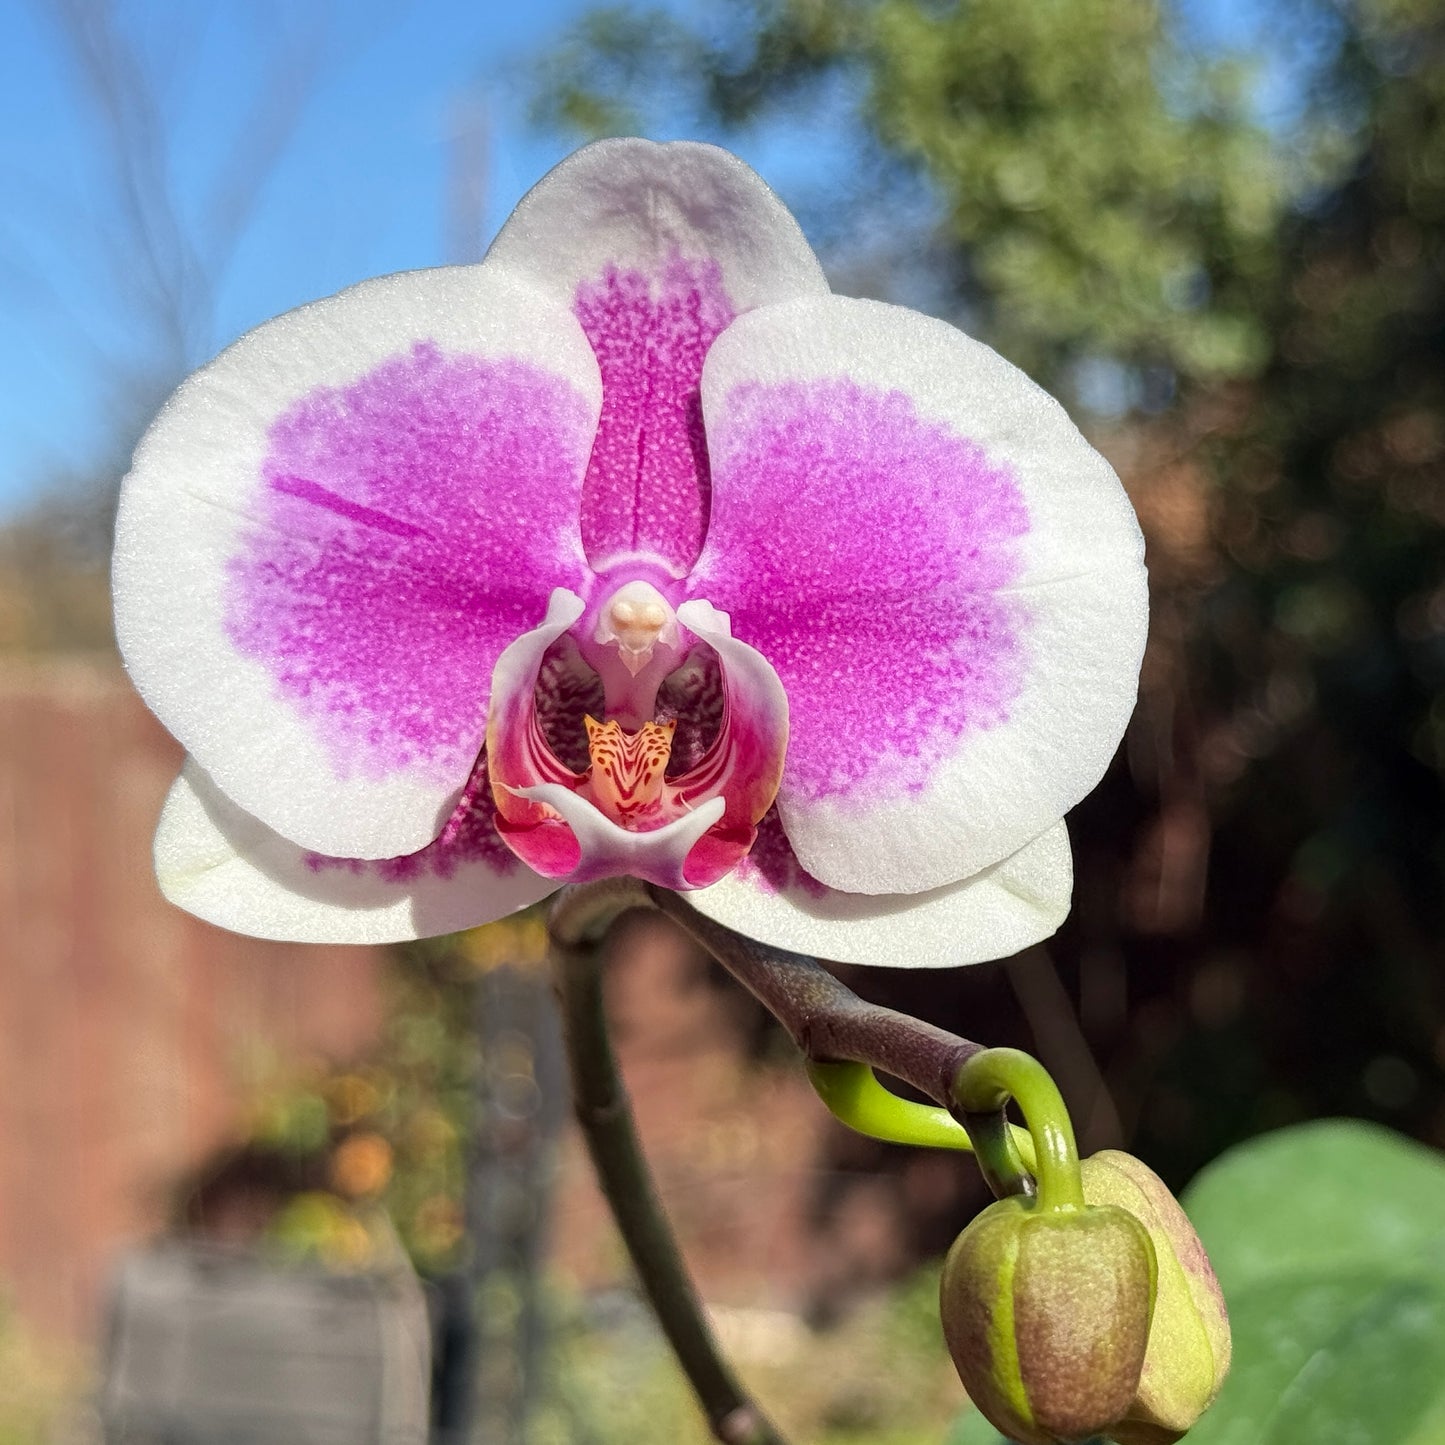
<point>985,1084</point>
<point>580,923</point>
<point>832,1025</point>
<point>826,1019</point>
<point>856,1098</point>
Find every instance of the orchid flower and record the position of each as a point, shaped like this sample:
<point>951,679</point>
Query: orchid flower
<point>630,550</point>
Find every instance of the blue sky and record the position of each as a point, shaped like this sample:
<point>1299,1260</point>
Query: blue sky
<point>360,189</point>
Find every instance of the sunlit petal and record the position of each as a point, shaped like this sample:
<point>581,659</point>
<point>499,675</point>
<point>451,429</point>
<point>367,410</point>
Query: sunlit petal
<point>656,248</point>
<point>1004,908</point>
<point>225,866</point>
<point>332,531</point>
<point>947,578</point>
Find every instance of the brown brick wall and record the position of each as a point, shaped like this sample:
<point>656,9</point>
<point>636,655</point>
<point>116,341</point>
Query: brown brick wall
<point>125,1025</point>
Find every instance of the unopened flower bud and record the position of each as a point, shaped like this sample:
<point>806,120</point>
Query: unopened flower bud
<point>1188,1354</point>
<point>1046,1313</point>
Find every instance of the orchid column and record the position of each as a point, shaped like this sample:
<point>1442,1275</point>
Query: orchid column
<point>631,552</point>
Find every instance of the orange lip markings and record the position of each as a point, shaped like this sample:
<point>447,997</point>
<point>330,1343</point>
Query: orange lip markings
<point>628,769</point>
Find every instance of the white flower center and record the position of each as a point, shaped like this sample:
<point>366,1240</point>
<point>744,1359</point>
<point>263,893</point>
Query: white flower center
<point>637,618</point>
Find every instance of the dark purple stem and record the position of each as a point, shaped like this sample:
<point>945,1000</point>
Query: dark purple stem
<point>580,923</point>
<point>826,1019</point>
<point>831,1024</point>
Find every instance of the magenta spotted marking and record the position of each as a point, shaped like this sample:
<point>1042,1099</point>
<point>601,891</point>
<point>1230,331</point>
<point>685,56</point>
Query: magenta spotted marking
<point>648,486</point>
<point>470,836</point>
<point>771,864</point>
<point>865,552</point>
<point>407,528</point>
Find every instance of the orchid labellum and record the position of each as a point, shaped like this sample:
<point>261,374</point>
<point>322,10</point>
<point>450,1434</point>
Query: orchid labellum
<point>631,550</point>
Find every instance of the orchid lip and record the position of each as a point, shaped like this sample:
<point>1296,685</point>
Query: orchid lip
<point>633,808</point>
<point>607,848</point>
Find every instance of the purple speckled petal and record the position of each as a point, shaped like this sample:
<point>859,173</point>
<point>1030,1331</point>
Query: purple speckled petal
<point>1014,903</point>
<point>408,527</point>
<point>945,576</point>
<point>655,248</point>
<point>227,867</point>
<point>648,487</point>
<point>868,547</point>
<point>334,530</point>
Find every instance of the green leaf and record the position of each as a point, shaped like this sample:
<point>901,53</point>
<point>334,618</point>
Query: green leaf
<point>1329,1240</point>
<point>972,1429</point>
<point>1351,1358</point>
<point>1329,1196</point>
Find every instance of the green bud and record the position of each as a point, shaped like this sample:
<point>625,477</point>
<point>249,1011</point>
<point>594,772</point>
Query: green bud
<point>1046,1313</point>
<point>1188,1354</point>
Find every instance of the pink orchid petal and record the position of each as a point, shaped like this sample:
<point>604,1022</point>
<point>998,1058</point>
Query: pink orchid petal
<point>656,248</point>
<point>519,756</point>
<point>227,867</point>
<point>648,486</point>
<point>745,764</point>
<point>948,580</point>
<point>1006,907</point>
<point>331,533</point>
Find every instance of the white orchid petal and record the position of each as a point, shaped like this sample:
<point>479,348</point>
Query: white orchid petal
<point>1016,902</point>
<point>227,867</point>
<point>332,531</point>
<point>655,248</point>
<point>637,204</point>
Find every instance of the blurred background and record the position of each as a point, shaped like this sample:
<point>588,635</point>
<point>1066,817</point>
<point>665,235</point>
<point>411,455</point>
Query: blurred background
<point>1215,228</point>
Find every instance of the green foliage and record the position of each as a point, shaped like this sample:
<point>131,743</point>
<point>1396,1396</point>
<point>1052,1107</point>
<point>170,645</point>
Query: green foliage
<point>1329,1241</point>
<point>1097,189</point>
<point>1108,193</point>
<point>1330,1244</point>
<point>1320,1196</point>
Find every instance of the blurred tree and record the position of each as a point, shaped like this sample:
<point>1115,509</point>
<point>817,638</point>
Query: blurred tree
<point>1326,631</point>
<point>1087,188</point>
